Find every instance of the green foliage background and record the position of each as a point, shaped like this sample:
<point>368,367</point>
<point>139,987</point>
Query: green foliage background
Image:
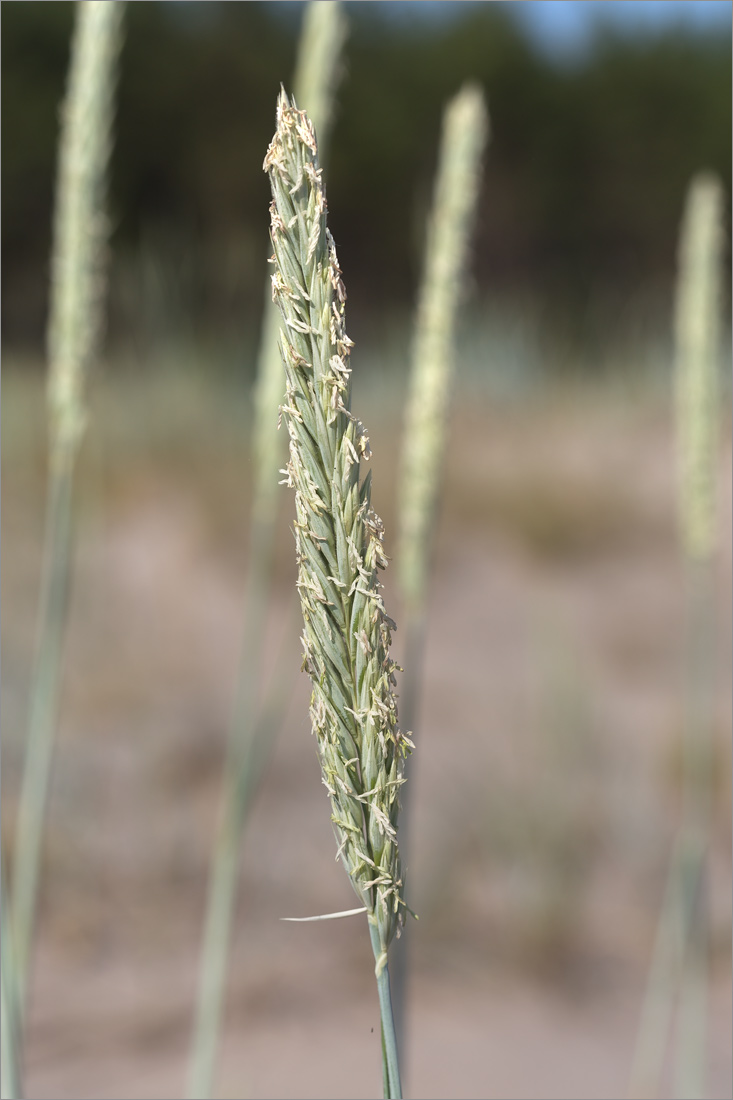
<point>588,162</point>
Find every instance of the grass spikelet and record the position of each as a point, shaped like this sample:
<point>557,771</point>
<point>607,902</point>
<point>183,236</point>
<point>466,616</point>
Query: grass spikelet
<point>318,65</point>
<point>465,128</point>
<point>347,632</point>
<point>79,250</point>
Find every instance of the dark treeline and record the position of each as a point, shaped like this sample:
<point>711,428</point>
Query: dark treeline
<point>583,192</point>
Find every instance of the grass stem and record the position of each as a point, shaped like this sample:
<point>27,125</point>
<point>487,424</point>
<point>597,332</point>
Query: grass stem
<point>10,1061</point>
<point>241,775</point>
<point>465,128</point>
<point>668,965</point>
<point>679,961</point>
<point>44,705</point>
<point>80,234</point>
<point>390,1060</point>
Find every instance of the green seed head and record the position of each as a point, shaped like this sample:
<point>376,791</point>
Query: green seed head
<point>465,130</point>
<point>697,339</point>
<point>347,632</point>
<point>80,220</point>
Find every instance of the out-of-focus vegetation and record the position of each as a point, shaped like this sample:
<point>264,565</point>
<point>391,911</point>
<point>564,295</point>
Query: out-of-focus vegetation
<point>588,168</point>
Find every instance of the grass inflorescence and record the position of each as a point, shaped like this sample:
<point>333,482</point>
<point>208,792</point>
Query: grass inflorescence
<point>679,961</point>
<point>450,227</point>
<point>465,130</point>
<point>339,544</point>
<point>76,313</point>
<point>697,342</point>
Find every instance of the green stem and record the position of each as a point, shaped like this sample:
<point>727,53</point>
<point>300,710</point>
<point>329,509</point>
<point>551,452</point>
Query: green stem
<point>449,232</point>
<point>43,712</point>
<point>691,1019</point>
<point>217,933</point>
<point>667,965</point>
<point>10,1065</point>
<point>75,315</point>
<point>253,733</point>
<point>242,770</point>
<point>690,1052</point>
<point>679,958</point>
<point>385,1074</point>
<point>390,1061</point>
<point>390,1036</point>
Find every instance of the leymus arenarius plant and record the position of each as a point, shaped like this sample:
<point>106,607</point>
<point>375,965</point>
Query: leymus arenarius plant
<point>338,536</point>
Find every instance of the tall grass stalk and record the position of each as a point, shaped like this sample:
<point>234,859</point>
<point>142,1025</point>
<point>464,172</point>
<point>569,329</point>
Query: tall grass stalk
<point>10,1062</point>
<point>698,334</point>
<point>76,315</point>
<point>463,141</point>
<point>317,70</point>
<point>679,959</point>
<point>347,632</point>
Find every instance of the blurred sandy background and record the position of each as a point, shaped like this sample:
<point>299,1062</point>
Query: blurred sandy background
<point>548,762</point>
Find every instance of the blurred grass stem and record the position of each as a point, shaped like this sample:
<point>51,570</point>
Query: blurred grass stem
<point>680,952</point>
<point>44,705</point>
<point>76,313</point>
<point>452,218</point>
<point>698,317</point>
<point>10,1061</point>
<point>317,70</point>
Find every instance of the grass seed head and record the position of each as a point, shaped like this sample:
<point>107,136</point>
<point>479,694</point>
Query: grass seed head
<point>697,340</point>
<point>347,633</point>
<point>465,132</point>
<point>81,226</point>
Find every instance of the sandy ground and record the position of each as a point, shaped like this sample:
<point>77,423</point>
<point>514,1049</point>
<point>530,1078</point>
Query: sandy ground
<point>546,777</point>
